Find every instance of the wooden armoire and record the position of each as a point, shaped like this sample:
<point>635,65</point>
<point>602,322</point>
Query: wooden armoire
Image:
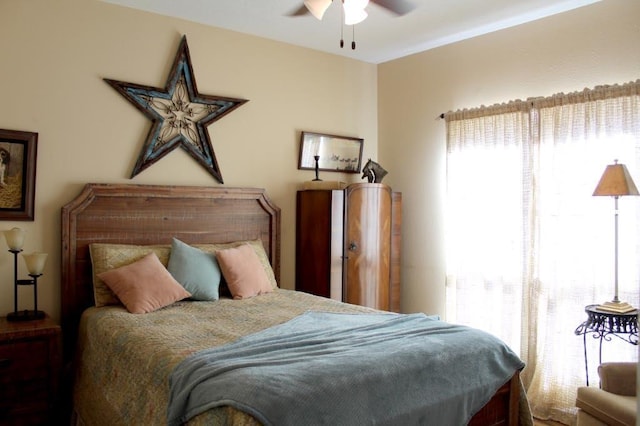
<point>348,244</point>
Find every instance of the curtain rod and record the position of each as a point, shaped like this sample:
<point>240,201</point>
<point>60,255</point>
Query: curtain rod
<point>597,93</point>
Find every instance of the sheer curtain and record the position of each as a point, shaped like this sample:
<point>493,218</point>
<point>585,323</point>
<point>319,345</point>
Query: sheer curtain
<point>528,246</point>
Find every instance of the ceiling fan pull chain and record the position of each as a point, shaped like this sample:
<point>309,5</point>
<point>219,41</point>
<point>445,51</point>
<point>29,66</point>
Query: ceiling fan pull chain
<point>353,37</point>
<point>341,26</point>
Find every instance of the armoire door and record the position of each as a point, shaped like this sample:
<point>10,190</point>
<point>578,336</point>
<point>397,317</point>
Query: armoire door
<point>319,242</point>
<point>367,245</point>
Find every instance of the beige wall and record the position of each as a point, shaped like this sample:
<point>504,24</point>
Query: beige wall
<point>54,55</point>
<point>590,46</point>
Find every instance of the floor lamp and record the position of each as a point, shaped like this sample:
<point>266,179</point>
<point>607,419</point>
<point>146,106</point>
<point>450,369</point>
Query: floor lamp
<point>616,182</point>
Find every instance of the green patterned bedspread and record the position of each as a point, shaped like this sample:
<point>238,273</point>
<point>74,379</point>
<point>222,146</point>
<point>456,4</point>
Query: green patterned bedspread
<point>124,360</point>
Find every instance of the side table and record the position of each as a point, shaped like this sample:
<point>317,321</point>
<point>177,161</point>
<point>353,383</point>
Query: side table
<point>30,355</point>
<point>602,325</point>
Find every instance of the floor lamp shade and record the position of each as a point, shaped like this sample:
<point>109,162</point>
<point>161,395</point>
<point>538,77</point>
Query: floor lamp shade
<point>616,182</point>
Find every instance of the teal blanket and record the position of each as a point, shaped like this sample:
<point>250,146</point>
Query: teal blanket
<point>347,369</point>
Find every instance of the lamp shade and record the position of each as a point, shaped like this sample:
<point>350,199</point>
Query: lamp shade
<point>616,181</point>
<point>35,262</point>
<point>15,238</point>
<point>317,7</point>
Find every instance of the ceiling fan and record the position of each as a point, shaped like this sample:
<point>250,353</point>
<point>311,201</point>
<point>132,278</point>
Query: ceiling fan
<point>353,11</point>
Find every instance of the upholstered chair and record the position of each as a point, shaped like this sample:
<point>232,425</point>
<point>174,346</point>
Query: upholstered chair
<point>614,404</point>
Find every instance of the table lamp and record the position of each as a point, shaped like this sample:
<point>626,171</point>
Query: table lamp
<point>35,265</point>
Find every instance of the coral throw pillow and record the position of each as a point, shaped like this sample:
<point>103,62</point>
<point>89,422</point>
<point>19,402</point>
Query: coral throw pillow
<point>145,285</point>
<point>243,272</point>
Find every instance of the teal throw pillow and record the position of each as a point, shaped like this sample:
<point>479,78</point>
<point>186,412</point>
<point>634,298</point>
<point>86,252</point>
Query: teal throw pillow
<point>198,272</point>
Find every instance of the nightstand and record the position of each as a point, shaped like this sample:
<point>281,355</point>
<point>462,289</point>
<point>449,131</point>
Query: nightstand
<point>602,325</point>
<point>30,357</point>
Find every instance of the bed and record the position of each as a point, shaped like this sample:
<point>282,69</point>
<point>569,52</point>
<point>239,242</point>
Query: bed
<point>121,366</point>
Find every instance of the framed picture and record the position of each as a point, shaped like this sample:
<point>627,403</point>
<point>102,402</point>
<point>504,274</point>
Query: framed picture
<point>18,151</point>
<point>335,153</point>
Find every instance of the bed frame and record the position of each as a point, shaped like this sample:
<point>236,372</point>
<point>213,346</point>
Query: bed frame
<point>153,214</point>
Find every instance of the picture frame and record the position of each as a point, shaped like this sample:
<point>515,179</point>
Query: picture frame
<point>336,153</point>
<point>18,153</point>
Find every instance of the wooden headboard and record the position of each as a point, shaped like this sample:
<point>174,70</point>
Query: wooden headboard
<point>153,214</point>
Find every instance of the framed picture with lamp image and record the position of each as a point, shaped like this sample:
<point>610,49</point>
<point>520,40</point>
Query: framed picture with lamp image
<point>18,153</point>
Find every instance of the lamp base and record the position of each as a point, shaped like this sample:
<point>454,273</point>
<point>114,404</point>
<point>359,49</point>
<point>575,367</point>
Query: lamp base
<point>616,307</point>
<point>25,315</point>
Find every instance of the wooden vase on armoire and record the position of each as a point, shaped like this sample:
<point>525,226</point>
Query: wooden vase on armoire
<point>348,244</point>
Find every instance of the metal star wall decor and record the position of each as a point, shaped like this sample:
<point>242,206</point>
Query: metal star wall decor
<point>180,115</point>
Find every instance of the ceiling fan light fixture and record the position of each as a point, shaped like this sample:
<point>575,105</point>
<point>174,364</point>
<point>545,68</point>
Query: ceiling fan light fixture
<point>355,17</point>
<point>317,7</point>
<point>354,12</point>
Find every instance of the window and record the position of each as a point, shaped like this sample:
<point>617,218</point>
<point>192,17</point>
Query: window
<point>528,246</point>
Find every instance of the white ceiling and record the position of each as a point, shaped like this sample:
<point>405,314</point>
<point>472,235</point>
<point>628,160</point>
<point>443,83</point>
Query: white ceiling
<point>383,36</point>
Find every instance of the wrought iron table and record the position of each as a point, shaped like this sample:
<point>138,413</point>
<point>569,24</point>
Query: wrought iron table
<point>602,325</point>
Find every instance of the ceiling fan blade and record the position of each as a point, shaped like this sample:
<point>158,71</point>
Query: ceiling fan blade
<point>399,7</point>
<point>301,11</point>
<point>317,7</point>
